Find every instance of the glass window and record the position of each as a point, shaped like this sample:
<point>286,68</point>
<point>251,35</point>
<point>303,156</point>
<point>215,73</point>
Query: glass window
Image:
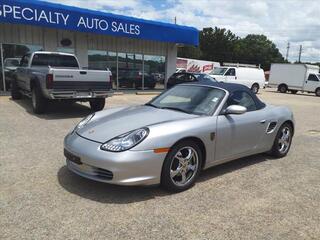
<point>130,71</point>
<point>1,72</point>
<point>313,77</point>
<point>243,99</point>
<point>231,72</point>
<point>197,100</point>
<point>54,60</point>
<point>12,54</point>
<point>65,50</point>
<point>25,60</point>
<point>218,71</point>
<point>154,67</point>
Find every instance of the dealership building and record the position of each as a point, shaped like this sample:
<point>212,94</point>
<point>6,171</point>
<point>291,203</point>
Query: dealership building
<point>131,48</point>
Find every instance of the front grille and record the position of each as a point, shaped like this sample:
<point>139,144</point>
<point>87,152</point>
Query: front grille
<point>103,173</point>
<point>271,127</point>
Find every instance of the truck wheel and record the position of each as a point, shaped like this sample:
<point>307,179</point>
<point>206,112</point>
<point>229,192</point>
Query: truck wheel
<point>255,88</point>
<point>15,94</point>
<point>39,103</point>
<point>282,88</point>
<point>97,104</point>
<point>318,92</point>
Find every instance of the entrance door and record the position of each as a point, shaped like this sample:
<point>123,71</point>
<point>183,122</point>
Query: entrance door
<point>312,83</point>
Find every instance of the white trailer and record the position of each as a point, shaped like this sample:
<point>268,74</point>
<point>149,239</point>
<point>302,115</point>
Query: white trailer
<point>295,77</point>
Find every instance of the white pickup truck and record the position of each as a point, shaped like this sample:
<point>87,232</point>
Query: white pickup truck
<point>45,76</point>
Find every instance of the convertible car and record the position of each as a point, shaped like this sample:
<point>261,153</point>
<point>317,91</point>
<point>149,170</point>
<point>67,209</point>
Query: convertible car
<point>173,137</point>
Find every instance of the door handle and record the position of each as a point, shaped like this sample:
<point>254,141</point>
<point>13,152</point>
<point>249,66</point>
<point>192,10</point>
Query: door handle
<point>263,121</point>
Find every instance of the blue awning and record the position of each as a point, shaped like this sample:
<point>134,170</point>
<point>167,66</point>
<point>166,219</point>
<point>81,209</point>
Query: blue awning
<point>59,16</point>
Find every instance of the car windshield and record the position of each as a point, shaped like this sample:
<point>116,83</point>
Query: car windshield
<point>192,99</point>
<point>12,63</point>
<point>204,77</point>
<point>218,71</point>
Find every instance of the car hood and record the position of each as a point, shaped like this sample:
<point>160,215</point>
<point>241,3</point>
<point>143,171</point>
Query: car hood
<point>108,124</point>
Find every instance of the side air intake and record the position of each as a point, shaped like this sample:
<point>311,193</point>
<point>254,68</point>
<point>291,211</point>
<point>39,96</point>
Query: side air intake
<point>271,127</point>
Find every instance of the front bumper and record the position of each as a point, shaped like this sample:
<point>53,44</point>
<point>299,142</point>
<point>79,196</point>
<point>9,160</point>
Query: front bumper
<point>122,168</point>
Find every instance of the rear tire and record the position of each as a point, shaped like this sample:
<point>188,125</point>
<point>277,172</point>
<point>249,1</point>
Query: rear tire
<point>39,103</point>
<point>15,94</point>
<point>282,141</point>
<point>97,104</point>
<point>181,166</point>
<point>255,88</point>
<point>283,88</point>
<point>317,92</point>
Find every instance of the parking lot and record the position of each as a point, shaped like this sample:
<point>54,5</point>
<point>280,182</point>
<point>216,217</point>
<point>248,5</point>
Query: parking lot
<point>253,198</point>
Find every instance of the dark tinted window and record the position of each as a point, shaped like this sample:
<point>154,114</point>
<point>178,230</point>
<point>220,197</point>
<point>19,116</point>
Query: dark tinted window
<point>312,77</point>
<point>231,72</point>
<point>180,76</point>
<point>243,99</point>
<point>54,60</point>
<point>24,61</point>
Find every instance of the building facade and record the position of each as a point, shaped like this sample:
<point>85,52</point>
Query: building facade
<point>133,49</point>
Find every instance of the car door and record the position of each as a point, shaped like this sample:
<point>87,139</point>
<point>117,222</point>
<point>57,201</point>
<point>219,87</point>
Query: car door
<point>312,83</point>
<point>230,75</point>
<point>239,135</point>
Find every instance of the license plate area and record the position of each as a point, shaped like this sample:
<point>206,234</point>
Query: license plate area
<point>83,94</point>
<point>72,157</point>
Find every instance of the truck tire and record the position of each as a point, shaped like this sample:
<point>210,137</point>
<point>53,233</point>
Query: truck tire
<point>39,103</point>
<point>318,92</point>
<point>283,88</point>
<point>15,94</point>
<point>255,88</point>
<point>97,104</point>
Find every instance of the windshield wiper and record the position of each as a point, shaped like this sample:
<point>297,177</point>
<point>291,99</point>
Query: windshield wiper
<point>176,109</point>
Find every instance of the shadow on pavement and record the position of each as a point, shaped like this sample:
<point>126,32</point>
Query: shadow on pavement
<point>56,109</point>
<point>108,193</point>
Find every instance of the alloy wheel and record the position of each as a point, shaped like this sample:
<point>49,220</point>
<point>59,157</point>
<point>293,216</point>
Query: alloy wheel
<point>284,140</point>
<point>184,166</point>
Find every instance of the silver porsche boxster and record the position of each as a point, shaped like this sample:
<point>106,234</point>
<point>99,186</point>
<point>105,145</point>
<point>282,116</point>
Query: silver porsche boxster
<point>169,140</point>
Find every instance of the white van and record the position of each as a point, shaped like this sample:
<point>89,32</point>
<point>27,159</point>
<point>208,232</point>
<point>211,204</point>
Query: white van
<point>295,77</point>
<point>251,77</point>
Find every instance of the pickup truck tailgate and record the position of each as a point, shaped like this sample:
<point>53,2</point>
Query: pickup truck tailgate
<point>83,80</point>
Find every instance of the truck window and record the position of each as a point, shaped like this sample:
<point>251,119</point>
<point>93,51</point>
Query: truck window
<point>231,72</point>
<point>54,60</point>
<point>313,77</point>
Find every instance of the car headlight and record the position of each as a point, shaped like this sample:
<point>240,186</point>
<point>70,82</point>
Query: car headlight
<point>125,141</point>
<point>84,121</point>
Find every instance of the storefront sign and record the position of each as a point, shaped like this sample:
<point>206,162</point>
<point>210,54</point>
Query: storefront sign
<point>71,18</point>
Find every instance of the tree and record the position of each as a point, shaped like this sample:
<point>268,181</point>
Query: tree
<point>257,49</point>
<point>189,52</point>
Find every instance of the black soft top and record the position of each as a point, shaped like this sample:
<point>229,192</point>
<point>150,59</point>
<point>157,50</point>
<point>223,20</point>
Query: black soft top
<point>231,88</point>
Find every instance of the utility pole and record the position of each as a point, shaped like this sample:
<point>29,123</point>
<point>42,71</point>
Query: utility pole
<point>288,47</point>
<point>300,51</point>
<point>175,20</point>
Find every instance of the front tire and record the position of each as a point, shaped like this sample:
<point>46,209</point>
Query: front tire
<point>282,141</point>
<point>97,104</point>
<point>255,88</point>
<point>39,103</point>
<point>283,88</point>
<point>318,92</point>
<point>181,167</point>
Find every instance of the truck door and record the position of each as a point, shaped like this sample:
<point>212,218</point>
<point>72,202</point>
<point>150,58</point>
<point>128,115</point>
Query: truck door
<point>312,83</point>
<point>230,75</point>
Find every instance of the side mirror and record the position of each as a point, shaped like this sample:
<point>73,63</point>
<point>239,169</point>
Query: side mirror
<point>235,109</point>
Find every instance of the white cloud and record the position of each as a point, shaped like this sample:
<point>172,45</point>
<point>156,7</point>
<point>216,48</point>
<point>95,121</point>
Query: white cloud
<point>282,21</point>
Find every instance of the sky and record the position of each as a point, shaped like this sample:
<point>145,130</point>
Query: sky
<point>282,21</point>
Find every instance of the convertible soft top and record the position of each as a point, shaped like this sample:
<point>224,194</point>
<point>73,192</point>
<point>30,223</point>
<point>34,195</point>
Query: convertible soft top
<point>231,88</point>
